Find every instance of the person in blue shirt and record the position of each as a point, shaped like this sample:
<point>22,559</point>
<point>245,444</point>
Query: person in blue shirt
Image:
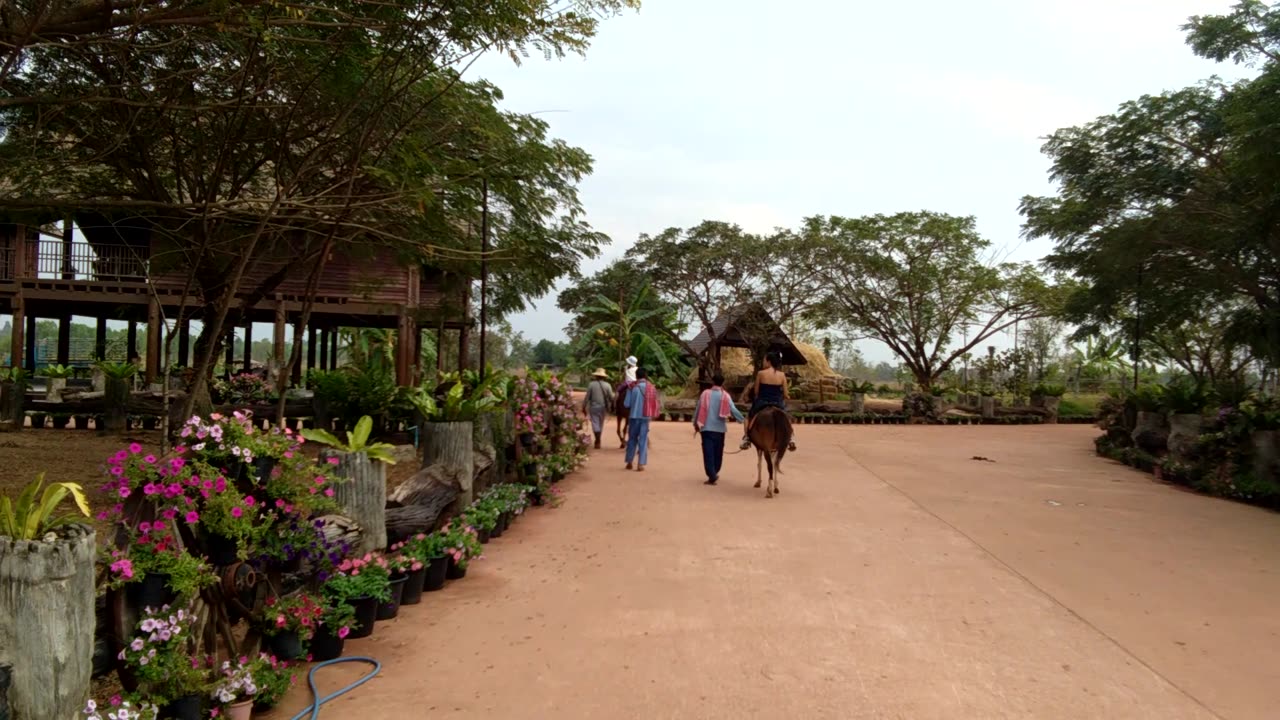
<point>715,407</point>
<point>641,404</point>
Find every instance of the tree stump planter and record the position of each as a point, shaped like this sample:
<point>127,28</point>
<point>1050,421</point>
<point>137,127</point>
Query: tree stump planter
<point>361,492</point>
<point>1184,433</point>
<point>116,402</point>
<point>47,622</point>
<point>1266,462</point>
<point>452,445</point>
<point>987,406</point>
<point>1150,432</point>
<point>12,399</point>
<point>54,390</point>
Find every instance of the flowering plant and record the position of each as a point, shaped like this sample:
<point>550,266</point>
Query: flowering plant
<point>462,543</point>
<point>120,709</point>
<point>358,578</point>
<point>425,547</point>
<point>158,659</point>
<point>243,388</point>
<point>274,678</point>
<point>154,550</point>
<point>236,684</point>
<point>236,437</point>
<point>402,563</point>
<point>481,515</point>
<point>339,616</point>
<point>298,613</point>
<point>225,510</point>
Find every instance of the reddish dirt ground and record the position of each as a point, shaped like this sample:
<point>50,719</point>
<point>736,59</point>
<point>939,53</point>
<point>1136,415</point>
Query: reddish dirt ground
<point>894,577</point>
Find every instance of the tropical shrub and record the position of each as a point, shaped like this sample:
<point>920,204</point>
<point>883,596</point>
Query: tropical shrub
<point>29,518</point>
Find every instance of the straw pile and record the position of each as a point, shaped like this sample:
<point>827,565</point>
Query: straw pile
<point>735,363</point>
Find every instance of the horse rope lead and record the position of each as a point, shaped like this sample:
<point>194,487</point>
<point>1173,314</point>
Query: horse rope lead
<point>313,710</point>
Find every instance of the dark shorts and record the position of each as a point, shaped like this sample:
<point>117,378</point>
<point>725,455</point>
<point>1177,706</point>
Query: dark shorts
<point>760,403</point>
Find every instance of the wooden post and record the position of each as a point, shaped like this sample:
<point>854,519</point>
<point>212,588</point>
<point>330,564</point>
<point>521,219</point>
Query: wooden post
<point>184,342</point>
<point>20,252</point>
<point>362,494</point>
<point>231,353</point>
<point>154,333</point>
<point>132,339</point>
<point>100,340</point>
<point>295,375</point>
<point>440,348</point>
<point>64,340</point>
<point>68,268</point>
<point>31,343</point>
<point>404,351</point>
<point>453,446</point>
<point>248,346</point>
<point>16,339</point>
<point>311,347</point>
<point>47,623</point>
<point>333,348</point>
<point>324,347</point>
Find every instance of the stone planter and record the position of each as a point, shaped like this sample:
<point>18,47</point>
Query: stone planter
<point>1184,432</point>
<point>1150,431</point>
<point>55,388</point>
<point>47,622</point>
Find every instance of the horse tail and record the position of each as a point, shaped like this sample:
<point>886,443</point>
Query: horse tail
<point>783,434</point>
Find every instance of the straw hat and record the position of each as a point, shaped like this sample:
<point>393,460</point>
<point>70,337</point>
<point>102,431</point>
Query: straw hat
<point>600,373</point>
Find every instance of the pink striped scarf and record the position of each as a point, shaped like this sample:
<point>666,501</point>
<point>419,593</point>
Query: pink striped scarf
<point>704,405</point>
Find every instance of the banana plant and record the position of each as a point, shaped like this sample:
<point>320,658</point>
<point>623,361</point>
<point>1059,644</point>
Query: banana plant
<point>622,333</point>
<point>29,519</point>
<point>357,441</point>
<point>457,405</point>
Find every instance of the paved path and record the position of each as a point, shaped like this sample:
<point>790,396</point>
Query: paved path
<point>894,577</point>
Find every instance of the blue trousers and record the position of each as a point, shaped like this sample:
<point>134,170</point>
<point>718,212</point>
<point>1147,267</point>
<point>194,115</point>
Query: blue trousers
<point>712,452</point>
<point>638,439</point>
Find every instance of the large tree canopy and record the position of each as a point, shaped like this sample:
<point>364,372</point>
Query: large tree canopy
<point>1170,206</point>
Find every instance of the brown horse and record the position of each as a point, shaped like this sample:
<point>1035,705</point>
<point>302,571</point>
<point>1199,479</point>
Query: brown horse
<point>620,412</point>
<point>770,432</point>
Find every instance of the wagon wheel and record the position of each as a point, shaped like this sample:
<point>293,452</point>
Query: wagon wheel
<point>239,595</point>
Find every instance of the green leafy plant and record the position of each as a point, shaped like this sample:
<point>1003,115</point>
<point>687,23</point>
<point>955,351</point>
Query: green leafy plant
<point>482,515</point>
<point>28,519</point>
<point>59,371</point>
<point>1147,398</point>
<point>357,441</point>
<point>425,547</point>
<point>1049,390</point>
<point>273,678</point>
<point>863,387</point>
<point>457,405</point>
<point>117,370</point>
<point>16,375</point>
<point>1182,396</point>
<point>358,578</point>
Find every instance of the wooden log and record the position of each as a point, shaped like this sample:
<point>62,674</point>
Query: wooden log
<point>451,445</point>
<point>361,492</point>
<point>428,484</point>
<point>116,410</point>
<point>338,530</point>
<point>406,521</point>
<point>47,622</point>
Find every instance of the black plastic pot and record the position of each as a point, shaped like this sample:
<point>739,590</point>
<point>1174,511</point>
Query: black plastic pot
<point>184,708</point>
<point>262,468</point>
<point>150,423</point>
<point>437,570</point>
<point>151,592</point>
<point>366,614</point>
<point>286,645</point>
<point>526,439</point>
<point>81,421</point>
<point>391,608</point>
<point>220,550</point>
<point>454,572</point>
<point>484,535</point>
<point>498,528</point>
<point>536,498</point>
<point>326,645</point>
<point>412,594</point>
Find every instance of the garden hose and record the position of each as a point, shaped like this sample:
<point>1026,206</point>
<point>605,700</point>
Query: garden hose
<point>313,710</point>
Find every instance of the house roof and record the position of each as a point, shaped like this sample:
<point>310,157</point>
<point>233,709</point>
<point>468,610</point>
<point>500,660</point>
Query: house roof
<point>734,326</point>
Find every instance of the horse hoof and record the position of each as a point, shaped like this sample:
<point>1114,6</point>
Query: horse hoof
<point>777,491</point>
<point>768,496</point>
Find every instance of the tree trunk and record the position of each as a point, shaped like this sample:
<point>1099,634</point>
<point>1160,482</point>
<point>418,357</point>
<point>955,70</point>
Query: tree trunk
<point>988,406</point>
<point>451,445</point>
<point>116,410</point>
<point>47,623</point>
<point>362,494</point>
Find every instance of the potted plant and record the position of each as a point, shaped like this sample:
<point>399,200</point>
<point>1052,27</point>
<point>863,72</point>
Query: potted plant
<point>289,624</point>
<point>414,570</point>
<point>46,598</point>
<point>483,517</point>
<point>398,576</point>
<point>57,375</point>
<point>158,658</point>
<point>336,621</point>
<point>116,377</point>
<point>362,583</point>
<point>273,677</point>
<point>120,709</point>
<point>1184,401</point>
<point>235,689</point>
<point>431,550</point>
<point>462,545</point>
<point>362,490</point>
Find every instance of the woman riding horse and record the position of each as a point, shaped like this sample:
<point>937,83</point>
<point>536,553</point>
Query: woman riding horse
<point>769,389</point>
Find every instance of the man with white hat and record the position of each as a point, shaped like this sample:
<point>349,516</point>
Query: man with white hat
<point>630,372</point>
<point>598,400</point>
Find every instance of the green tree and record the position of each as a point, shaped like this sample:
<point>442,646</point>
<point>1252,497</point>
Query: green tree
<point>624,328</point>
<point>550,352</point>
<point>912,280</point>
<point>1168,207</point>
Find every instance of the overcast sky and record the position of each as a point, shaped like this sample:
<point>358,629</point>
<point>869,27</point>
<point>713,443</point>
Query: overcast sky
<point>762,113</point>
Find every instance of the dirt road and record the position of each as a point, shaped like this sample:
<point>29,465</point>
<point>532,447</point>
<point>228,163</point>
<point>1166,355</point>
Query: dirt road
<point>894,577</point>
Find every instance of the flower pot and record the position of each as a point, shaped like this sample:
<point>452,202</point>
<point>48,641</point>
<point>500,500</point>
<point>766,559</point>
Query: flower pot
<point>556,476</point>
<point>150,592</point>
<point>184,708</point>
<point>526,439</point>
<point>498,528</point>
<point>326,645</point>
<point>454,572</point>
<point>536,498</point>
<point>366,614</point>
<point>412,593</point>
<point>286,645</point>
<point>436,571</point>
<point>239,711</point>
<point>81,421</point>
<point>484,535</point>
<point>391,608</point>
<point>262,468</point>
<point>150,423</point>
<point>38,420</point>
<point>220,550</point>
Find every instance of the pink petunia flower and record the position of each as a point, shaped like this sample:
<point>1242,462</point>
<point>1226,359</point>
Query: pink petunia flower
<point>134,448</point>
<point>193,517</point>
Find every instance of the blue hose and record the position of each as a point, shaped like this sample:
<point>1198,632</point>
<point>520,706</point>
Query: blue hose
<point>313,710</point>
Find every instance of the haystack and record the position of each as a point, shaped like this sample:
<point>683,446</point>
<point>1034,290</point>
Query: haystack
<point>735,363</point>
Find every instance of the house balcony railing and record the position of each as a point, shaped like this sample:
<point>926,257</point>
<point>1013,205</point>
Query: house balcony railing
<point>55,260</point>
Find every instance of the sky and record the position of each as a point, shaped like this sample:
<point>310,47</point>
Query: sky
<point>762,113</point>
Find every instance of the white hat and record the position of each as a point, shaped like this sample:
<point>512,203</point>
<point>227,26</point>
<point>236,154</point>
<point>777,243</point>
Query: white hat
<point>631,360</point>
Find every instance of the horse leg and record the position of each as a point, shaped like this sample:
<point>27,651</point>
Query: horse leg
<point>774,472</point>
<point>759,461</point>
<point>768,460</point>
